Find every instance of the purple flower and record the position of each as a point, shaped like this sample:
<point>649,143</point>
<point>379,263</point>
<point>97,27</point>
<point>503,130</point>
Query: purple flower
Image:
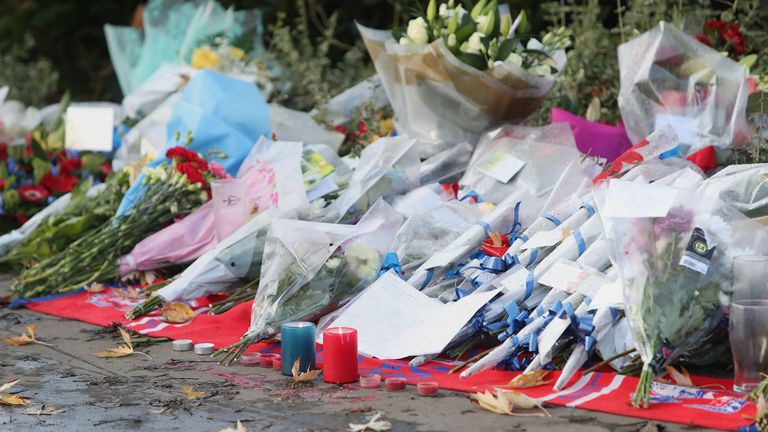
<point>677,221</point>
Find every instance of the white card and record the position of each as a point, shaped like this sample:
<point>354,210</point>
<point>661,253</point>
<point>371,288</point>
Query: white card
<point>609,295</point>
<point>638,200</point>
<point>322,188</point>
<point>552,332</point>
<point>570,277</point>
<point>89,128</point>
<point>543,239</point>
<point>500,166</point>
<point>516,280</point>
<point>685,127</point>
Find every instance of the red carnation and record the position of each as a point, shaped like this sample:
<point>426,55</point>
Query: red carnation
<point>732,34</point>
<point>69,165</point>
<point>181,154</point>
<point>60,184</point>
<point>33,193</point>
<point>21,218</point>
<point>3,151</point>
<point>189,170</point>
<point>701,37</point>
<point>714,24</point>
<point>106,169</point>
<point>2,184</point>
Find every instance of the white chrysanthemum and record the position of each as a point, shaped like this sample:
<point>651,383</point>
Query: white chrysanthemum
<point>515,59</point>
<point>417,30</point>
<point>716,228</point>
<point>363,260</point>
<point>474,45</point>
<point>541,70</point>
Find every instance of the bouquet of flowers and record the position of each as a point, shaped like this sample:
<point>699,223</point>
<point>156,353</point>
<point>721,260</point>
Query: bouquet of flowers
<point>670,78</point>
<point>311,269</point>
<point>454,73</point>
<point>88,208</point>
<point>172,190</point>
<point>675,265</point>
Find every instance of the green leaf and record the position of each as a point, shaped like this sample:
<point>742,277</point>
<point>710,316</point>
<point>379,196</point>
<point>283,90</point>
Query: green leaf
<point>748,61</point>
<point>464,32</point>
<point>505,49</point>
<point>477,10</point>
<point>475,60</point>
<point>38,151</point>
<point>63,105</point>
<point>523,26</point>
<point>593,110</point>
<point>40,167</point>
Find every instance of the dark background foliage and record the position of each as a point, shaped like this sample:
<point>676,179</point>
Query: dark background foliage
<point>69,33</point>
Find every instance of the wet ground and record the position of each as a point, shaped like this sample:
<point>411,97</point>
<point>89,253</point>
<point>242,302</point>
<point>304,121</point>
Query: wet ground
<point>137,393</point>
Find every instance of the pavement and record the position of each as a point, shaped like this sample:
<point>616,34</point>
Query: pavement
<point>137,393</point>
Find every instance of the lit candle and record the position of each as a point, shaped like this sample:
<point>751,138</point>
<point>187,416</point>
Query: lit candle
<point>297,341</point>
<point>340,355</point>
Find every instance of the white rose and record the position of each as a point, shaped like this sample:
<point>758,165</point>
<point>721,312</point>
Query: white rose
<point>515,59</point>
<point>474,45</point>
<point>417,30</point>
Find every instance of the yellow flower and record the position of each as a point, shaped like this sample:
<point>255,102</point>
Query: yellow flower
<point>204,58</point>
<point>387,126</point>
<point>237,53</point>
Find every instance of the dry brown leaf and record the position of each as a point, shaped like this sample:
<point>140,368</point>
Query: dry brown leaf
<point>506,401</point>
<point>530,379</point>
<point>496,239</point>
<point>681,377</point>
<point>6,386</point>
<point>95,287</point>
<point>43,410</point>
<point>178,313</point>
<point>240,428</point>
<point>7,399</point>
<point>124,350</point>
<point>298,376</point>
<point>129,293</point>
<point>191,393</point>
<point>374,424</point>
<point>26,338</point>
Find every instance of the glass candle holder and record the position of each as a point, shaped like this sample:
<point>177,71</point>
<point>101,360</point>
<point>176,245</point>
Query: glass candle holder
<point>748,326</point>
<point>231,205</point>
<point>750,277</point>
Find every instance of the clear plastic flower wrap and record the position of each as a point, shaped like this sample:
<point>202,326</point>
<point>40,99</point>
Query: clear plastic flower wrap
<point>444,101</point>
<point>313,268</point>
<point>513,157</point>
<point>447,166</point>
<point>674,254</point>
<point>390,166</point>
<point>668,77</point>
<point>742,186</point>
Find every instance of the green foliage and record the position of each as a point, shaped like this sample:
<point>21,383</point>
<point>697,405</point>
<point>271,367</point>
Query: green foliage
<point>31,80</point>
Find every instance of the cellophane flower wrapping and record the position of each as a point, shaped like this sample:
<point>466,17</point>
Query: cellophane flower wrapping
<point>310,268</point>
<point>676,272</point>
<point>443,101</point>
<point>668,77</point>
<point>742,186</point>
<point>541,154</point>
<point>388,167</point>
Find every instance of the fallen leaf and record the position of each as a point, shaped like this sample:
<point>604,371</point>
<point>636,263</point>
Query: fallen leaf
<point>681,377</point>
<point>530,379</point>
<point>124,350</point>
<point>26,338</point>
<point>240,428</point>
<point>298,376</point>
<point>506,401</point>
<point>192,394</point>
<point>147,278</point>
<point>6,399</point>
<point>95,287</point>
<point>178,313</point>
<point>374,424</point>
<point>6,386</point>
<point>43,410</point>
<point>129,293</point>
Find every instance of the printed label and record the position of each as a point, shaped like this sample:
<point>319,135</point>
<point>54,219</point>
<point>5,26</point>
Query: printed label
<point>500,166</point>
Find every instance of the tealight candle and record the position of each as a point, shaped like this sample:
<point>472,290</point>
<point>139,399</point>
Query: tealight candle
<point>277,363</point>
<point>395,384</point>
<point>265,360</point>
<point>427,388</point>
<point>370,381</point>
<point>253,359</point>
<point>297,341</point>
<point>340,355</point>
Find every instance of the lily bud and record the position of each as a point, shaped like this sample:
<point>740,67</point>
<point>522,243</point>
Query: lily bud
<point>453,24</point>
<point>506,24</point>
<point>485,24</point>
<point>431,10</point>
<point>477,9</point>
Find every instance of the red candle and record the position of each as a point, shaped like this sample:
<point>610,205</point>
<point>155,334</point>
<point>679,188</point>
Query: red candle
<point>340,355</point>
<point>395,384</point>
<point>427,388</point>
<point>266,360</point>
<point>277,362</point>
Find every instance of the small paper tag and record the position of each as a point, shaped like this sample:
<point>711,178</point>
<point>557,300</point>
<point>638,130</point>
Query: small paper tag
<point>516,280</point>
<point>543,239</point>
<point>570,277</point>
<point>697,254</point>
<point>500,166</point>
<point>315,168</point>
<point>322,188</point>
<point>685,127</point>
<point>89,128</point>
<point>551,334</point>
<point>609,294</point>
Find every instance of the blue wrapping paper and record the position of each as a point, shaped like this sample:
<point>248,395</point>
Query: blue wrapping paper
<point>223,114</point>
